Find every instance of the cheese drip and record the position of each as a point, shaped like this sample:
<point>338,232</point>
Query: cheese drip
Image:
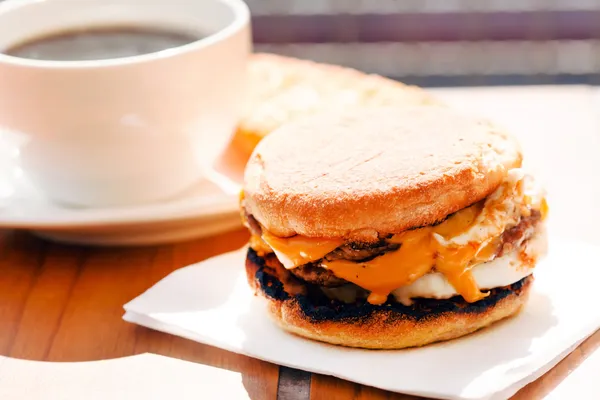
<point>465,239</point>
<point>299,250</point>
<point>419,252</point>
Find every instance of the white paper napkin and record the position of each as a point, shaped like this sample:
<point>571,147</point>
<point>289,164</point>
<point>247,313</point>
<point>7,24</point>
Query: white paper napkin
<point>211,303</point>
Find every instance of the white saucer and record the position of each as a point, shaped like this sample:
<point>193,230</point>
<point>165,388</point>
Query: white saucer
<point>209,208</point>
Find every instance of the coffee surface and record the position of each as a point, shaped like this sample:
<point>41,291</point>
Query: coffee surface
<point>100,43</point>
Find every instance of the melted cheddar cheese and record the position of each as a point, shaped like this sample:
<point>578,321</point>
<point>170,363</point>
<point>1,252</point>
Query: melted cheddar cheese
<point>299,250</point>
<point>468,237</point>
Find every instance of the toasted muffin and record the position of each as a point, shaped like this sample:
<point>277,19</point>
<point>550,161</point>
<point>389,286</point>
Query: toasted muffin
<point>391,227</point>
<point>283,89</point>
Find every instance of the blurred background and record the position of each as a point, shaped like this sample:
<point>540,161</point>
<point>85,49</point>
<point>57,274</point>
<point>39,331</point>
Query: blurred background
<point>440,42</point>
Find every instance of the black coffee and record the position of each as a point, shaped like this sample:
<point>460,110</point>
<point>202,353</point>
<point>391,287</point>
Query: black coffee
<point>100,43</point>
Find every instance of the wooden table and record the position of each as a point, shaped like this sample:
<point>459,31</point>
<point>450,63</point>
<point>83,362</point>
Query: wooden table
<point>61,303</point>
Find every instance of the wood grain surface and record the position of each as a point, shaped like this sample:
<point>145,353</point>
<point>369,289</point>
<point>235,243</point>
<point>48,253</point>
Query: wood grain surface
<point>63,303</point>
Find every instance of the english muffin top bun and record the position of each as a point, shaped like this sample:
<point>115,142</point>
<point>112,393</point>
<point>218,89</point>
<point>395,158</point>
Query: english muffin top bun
<point>391,227</point>
<point>383,170</point>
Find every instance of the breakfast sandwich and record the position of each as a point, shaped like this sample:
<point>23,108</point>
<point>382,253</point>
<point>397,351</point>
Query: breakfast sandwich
<point>393,227</point>
<point>283,89</point>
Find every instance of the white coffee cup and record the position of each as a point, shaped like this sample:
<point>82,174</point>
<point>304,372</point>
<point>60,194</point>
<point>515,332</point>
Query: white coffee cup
<point>127,130</point>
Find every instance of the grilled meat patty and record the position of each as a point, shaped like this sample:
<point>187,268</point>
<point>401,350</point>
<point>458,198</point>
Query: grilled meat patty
<point>359,252</point>
<point>514,237</point>
<point>362,252</point>
<point>314,273</point>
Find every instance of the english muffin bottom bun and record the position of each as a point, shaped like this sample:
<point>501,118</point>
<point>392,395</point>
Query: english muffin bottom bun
<point>391,228</point>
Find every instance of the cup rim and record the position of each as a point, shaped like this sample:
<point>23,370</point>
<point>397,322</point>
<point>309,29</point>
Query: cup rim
<point>241,18</point>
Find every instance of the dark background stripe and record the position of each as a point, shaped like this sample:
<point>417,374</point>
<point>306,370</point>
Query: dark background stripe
<point>499,80</point>
<point>419,27</point>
